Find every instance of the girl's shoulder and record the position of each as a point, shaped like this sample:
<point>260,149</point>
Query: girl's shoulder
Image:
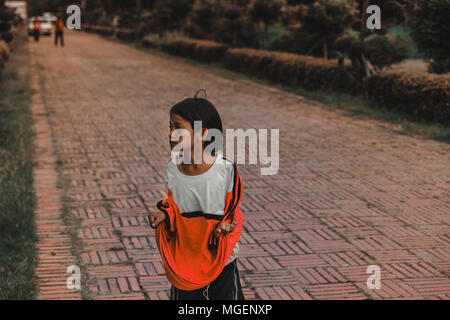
<point>224,160</point>
<point>171,169</point>
<point>171,164</point>
<point>220,160</point>
<point>226,167</point>
<point>223,165</point>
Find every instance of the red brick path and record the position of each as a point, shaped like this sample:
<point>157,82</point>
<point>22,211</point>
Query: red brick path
<point>54,247</point>
<point>350,192</point>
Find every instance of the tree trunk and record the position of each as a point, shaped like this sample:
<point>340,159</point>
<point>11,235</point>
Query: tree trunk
<point>260,38</point>
<point>266,36</point>
<point>318,43</point>
<point>363,31</point>
<point>325,49</point>
<point>137,23</point>
<point>365,72</point>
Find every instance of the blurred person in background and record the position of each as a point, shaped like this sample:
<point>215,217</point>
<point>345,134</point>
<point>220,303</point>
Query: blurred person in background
<point>115,24</point>
<point>36,29</point>
<point>59,32</point>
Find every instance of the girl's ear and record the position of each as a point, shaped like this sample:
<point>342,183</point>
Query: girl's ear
<point>200,135</point>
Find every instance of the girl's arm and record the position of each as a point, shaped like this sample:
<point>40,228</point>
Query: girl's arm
<point>235,191</point>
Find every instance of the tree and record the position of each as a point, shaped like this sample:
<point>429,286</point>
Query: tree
<point>430,30</point>
<point>6,21</point>
<point>385,50</point>
<point>202,18</point>
<point>265,12</point>
<point>392,11</point>
<point>169,14</point>
<point>179,9</point>
<point>234,28</point>
<point>299,2</point>
<point>37,7</point>
<point>325,20</point>
<point>373,50</point>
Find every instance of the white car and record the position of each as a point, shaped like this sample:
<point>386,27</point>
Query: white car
<point>46,26</point>
<point>31,25</point>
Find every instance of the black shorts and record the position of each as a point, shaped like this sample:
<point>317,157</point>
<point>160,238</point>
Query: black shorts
<point>227,286</point>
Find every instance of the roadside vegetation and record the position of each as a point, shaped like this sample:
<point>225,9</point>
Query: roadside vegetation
<point>17,233</point>
<point>321,49</point>
<point>354,105</point>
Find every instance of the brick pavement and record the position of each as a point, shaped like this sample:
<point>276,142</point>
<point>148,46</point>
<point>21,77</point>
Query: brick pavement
<point>350,192</point>
<point>54,247</point>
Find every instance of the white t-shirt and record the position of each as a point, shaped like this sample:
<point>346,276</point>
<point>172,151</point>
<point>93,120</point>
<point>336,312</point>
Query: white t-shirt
<point>204,192</point>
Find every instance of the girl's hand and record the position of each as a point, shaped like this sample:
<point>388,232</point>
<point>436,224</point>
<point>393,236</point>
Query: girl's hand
<point>225,228</point>
<point>156,218</point>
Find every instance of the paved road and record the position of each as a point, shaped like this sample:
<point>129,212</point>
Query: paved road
<point>350,192</point>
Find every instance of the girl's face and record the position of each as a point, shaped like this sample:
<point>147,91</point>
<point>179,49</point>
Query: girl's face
<point>177,122</point>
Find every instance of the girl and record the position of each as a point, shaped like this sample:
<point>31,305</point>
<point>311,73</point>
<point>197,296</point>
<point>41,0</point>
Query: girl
<point>202,222</point>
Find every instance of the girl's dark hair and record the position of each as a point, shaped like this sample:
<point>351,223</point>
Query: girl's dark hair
<point>198,109</point>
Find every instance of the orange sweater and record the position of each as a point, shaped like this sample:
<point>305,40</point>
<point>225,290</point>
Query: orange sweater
<point>59,24</point>
<point>193,257</point>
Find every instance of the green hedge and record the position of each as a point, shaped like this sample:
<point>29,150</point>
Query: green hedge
<point>426,95</point>
<point>151,41</point>
<point>6,48</point>
<point>122,33</point>
<point>423,95</point>
<point>293,69</point>
<point>103,30</point>
<point>125,33</point>
<point>202,50</point>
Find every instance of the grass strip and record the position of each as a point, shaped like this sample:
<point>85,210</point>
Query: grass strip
<point>17,232</point>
